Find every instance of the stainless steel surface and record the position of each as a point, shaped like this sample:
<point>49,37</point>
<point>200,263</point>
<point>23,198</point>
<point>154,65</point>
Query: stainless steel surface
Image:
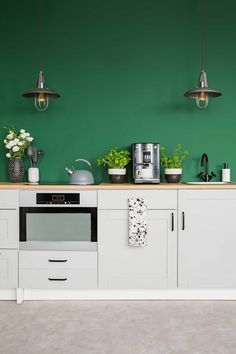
<point>202,87</point>
<point>80,177</point>
<point>41,88</point>
<point>146,162</point>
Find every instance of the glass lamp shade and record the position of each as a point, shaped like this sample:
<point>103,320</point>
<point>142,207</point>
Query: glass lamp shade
<point>41,101</point>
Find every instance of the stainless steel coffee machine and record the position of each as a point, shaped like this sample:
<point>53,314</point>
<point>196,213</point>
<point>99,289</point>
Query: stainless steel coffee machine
<point>146,162</point>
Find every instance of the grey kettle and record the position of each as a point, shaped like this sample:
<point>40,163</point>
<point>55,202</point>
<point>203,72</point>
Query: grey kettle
<point>82,177</point>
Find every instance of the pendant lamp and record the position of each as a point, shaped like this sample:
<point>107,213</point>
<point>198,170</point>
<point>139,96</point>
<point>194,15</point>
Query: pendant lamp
<point>202,92</point>
<point>41,93</point>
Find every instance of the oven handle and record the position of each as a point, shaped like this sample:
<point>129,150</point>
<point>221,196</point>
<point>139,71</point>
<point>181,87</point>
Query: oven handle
<point>57,260</point>
<point>57,279</point>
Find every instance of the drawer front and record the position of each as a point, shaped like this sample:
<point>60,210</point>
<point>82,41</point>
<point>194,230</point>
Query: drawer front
<point>164,199</point>
<point>57,279</point>
<point>8,229</point>
<point>8,269</point>
<point>9,199</point>
<point>56,260</point>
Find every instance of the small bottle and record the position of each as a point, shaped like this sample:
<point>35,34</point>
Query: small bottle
<point>226,173</point>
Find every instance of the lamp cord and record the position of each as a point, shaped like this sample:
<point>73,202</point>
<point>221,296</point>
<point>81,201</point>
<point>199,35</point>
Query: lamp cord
<point>203,33</point>
<point>40,33</point>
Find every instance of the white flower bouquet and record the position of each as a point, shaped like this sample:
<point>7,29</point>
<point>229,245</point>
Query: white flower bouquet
<point>16,143</point>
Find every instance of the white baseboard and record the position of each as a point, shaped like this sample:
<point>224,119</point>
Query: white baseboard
<point>100,294</point>
<point>7,294</point>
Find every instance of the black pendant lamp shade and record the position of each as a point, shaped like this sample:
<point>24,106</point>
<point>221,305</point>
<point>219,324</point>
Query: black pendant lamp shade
<point>202,92</point>
<point>41,93</point>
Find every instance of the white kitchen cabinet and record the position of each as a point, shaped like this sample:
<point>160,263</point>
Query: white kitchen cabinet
<point>8,269</point>
<point>57,269</point>
<point>58,279</point>
<point>118,199</point>
<point>8,229</point>
<point>207,239</point>
<point>9,203</point>
<point>9,199</point>
<point>122,266</point>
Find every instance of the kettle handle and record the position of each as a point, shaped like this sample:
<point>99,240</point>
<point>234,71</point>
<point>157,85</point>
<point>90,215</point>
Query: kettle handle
<point>84,161</point>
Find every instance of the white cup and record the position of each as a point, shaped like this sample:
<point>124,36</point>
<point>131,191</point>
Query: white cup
<point>33,175</point>
<point>144,173</point>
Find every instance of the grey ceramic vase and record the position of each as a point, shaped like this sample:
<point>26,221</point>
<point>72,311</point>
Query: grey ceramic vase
<point>16,170</point>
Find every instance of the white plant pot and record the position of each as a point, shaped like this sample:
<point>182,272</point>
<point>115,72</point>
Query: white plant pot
<point>117,175</point>
<point>173,175</point>
<point>33,175</point>
<point>173,171</point>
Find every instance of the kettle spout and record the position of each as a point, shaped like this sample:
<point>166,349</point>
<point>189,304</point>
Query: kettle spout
<point>68,170</point>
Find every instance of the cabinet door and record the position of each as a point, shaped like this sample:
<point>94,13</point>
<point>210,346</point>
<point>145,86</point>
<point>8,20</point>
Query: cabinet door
<point>9,199</point>
<point>8,229</point>
<point>122,266</point>
<point>8,269</point>
<point>207,239</point>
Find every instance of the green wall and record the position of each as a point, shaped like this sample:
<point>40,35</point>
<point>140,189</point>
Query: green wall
<point>121,67</point>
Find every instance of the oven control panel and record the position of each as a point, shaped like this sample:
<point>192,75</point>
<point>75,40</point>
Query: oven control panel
<point>58,198</point>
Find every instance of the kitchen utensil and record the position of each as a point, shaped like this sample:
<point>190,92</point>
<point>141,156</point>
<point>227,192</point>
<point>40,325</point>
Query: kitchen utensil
<point>34,156</point>
<point>30,154</point>
<point>39,154</point>
<point>82,177</point>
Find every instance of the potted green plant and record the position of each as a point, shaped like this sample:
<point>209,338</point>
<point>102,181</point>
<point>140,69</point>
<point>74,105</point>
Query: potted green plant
<point>116,161</point>
<point>173,163</point>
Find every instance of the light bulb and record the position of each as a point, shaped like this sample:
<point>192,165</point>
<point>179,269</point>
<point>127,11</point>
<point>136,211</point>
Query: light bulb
<point>41,101</point>
<point>202,100</point>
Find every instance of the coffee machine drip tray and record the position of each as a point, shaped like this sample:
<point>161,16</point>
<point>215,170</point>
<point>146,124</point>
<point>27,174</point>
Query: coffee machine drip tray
<point>146,181</point>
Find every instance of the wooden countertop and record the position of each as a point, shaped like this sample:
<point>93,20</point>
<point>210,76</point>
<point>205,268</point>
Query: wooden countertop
<point>112,186</point>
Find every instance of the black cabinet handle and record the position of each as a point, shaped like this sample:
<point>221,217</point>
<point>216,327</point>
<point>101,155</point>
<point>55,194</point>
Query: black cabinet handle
<point>57,260</point>
<point>183,220</point>
<point>172,222</point>
<point>57,279</point>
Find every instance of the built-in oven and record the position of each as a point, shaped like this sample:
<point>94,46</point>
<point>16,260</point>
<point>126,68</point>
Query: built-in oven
<point>58,219</point>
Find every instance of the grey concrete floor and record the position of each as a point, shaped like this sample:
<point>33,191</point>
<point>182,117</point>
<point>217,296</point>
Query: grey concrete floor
<point>118,327</point>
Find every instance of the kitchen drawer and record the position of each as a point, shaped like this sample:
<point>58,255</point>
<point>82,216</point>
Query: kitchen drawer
<point>8,229</point>
<point>8,269</point>
<point>55,260</point>
<point>57,279</point>
<point>9,199</point>
<point>118,199</point>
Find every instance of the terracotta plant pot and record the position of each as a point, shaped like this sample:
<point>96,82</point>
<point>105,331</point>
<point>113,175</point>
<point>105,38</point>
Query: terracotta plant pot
<point>117,175</point>
<point>173,175</point>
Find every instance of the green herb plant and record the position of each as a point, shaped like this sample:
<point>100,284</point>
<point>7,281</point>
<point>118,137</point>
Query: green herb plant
<point>115,158</point>
<point>175,160</point>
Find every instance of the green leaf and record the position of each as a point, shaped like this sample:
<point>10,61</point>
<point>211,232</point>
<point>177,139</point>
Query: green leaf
<point>175,159</point>
<point>115,158</point>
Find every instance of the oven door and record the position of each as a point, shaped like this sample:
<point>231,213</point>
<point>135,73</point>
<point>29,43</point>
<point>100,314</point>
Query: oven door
<point>58,224</point>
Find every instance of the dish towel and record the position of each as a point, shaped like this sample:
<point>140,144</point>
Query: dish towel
<point>137,222</point>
